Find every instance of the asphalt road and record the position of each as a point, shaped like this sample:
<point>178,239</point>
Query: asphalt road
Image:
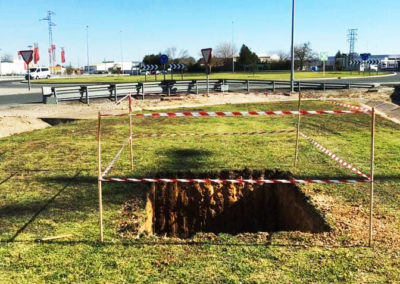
<point>384,80</point>
<point>17,92</point>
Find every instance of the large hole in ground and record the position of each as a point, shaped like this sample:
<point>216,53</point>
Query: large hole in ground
<point>182,209</point>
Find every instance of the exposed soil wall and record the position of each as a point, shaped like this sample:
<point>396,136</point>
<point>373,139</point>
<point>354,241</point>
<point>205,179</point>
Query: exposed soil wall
<point>181,209</point>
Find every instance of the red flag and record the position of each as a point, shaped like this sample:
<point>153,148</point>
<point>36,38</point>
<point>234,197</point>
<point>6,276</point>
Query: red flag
<point>62,55</point>
<point>36,56</point>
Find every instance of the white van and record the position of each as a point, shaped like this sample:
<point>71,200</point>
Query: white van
<point>38,73</point>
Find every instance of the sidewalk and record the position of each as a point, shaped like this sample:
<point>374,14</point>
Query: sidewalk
<point>390,110</point>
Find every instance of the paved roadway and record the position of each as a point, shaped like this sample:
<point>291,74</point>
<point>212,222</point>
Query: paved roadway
<point>17,92</point>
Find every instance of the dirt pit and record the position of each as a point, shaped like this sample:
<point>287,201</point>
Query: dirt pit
<point>183,209</point>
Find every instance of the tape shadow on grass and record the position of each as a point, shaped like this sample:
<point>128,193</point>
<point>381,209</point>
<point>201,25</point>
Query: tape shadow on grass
<point>142,243</point>
<point>7,178</point>
<point>20,230</point>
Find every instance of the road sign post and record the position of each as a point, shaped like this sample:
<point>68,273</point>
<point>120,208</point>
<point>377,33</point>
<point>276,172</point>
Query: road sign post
<point>323,56</point>
<point>364,57</point>
<point>206,52</point>
<point>27,56</point>
<point>164,61</point>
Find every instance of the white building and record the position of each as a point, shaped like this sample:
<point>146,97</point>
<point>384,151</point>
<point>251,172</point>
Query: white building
<point>385,62</point>
<point>264,58</point>
<point>17,67</point>
<point>105,66</point>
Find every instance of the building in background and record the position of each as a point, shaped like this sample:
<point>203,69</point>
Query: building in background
<point>16,67</point>
<point>383,62</point>
<point>268,58</point>
<point>106,67</point>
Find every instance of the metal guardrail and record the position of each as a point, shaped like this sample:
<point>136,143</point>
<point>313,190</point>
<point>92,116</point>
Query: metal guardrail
<point>170,87</point>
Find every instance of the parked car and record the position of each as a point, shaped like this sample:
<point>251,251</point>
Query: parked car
<point>38,73</point>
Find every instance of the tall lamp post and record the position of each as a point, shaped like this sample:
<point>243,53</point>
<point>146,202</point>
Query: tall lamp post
<point>233,52</point>
<point>87,48</point>
<point>292,52</point>
<point>1,73</point>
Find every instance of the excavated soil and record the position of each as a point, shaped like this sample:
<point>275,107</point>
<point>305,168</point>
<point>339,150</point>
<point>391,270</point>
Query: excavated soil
<point>183,209</point>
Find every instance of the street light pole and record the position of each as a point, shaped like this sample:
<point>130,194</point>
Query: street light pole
<point>87,47</point>
<point>29,71</point>
<point>120,45</point>
<point>1,73</point>
<point>292,52</point>
<point>233,52</point>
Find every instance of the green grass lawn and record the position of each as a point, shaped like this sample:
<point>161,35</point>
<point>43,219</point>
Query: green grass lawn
<point>60,163</point>
<point>271,75</point>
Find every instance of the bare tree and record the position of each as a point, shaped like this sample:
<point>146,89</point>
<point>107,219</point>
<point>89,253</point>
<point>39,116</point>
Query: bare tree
<point>183,53</point>
<point>303,54</point>
<point>283,55</point>
<point>225,50</point>
<point>171,52</point>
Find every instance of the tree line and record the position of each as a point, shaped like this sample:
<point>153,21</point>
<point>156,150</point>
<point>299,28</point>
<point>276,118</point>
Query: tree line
<point>245,59</point>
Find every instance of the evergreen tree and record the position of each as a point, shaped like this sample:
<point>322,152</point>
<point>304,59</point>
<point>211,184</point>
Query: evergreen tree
<point>246,57</point>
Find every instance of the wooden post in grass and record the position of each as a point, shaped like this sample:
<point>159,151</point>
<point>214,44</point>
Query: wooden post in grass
<point>296,154</point>
<point>130,130</point>
<point>371,192</point>
<point>99,178</point>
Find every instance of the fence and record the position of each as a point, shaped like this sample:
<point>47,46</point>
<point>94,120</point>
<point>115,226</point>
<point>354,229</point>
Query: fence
<point>365,178</point>
<point>53,95</point>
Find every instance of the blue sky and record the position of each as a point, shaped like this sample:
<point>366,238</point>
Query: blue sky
<point>150,26</point>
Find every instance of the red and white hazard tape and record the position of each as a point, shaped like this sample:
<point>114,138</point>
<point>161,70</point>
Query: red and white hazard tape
<point>237,113</point>
<point>141,135</point>
<point>121,100</point>
<point>251,181</point>
<point>114,160</point>
<point>335,157</point>
<point>349,106</point>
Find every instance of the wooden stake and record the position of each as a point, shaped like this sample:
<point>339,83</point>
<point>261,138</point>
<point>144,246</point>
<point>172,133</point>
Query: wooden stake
<point>371,193</point>
<point>296,154</point>
<point>99,189</point>
<point>52,238</point>
<point>130,130</point>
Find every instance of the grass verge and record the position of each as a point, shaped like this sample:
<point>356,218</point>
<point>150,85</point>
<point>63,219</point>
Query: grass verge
<point>36,166</point>
<point>271,75</point>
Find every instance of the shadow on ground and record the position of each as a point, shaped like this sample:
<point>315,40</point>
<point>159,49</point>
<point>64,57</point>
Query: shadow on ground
<point>395,97</point>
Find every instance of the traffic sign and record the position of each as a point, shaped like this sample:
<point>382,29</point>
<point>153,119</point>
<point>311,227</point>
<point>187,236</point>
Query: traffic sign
<point>164,59</point>
<point>206,52</point>
<point>373,61</point>
<point>27,55</point>
<point>149,67</point>
<point>355,62</point>
<point>323,56</point>
<point>177,66</point>
<point>365,56</point>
